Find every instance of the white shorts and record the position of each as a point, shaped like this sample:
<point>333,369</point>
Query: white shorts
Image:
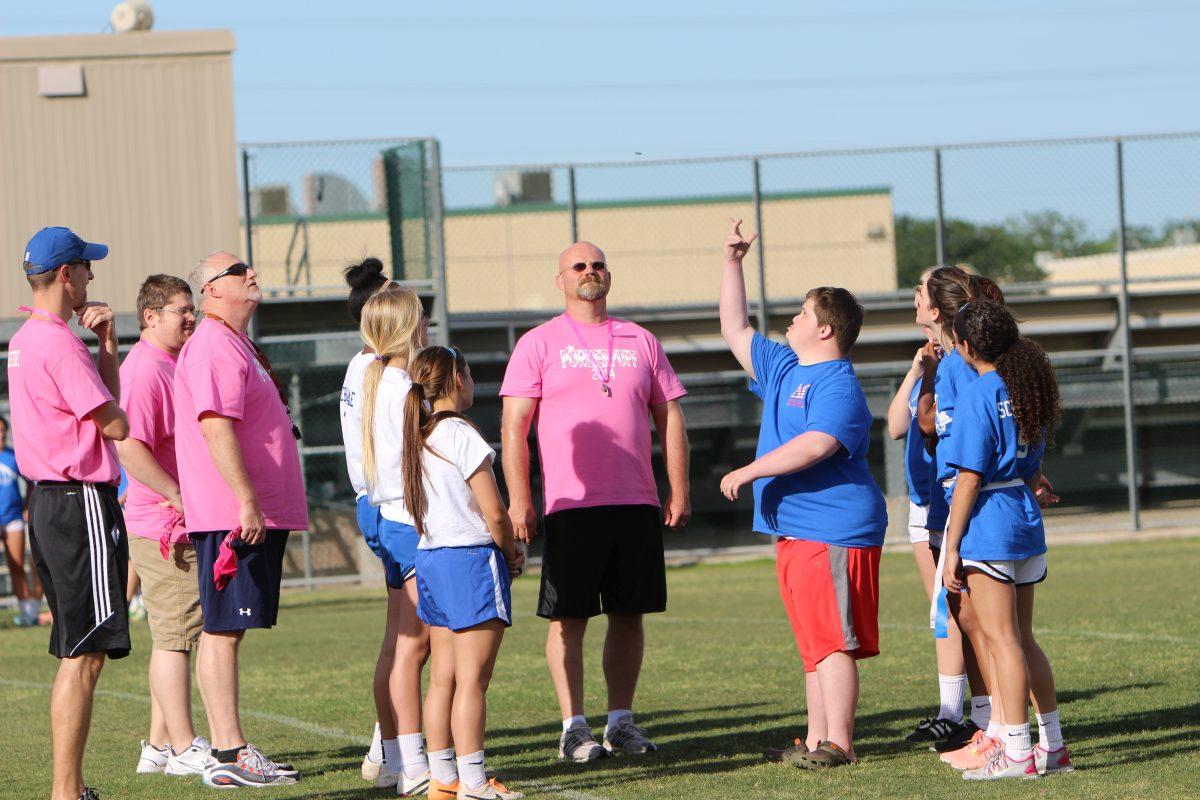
<point>1022,572</point>
<point>16,526</point>
<point>916,523</point>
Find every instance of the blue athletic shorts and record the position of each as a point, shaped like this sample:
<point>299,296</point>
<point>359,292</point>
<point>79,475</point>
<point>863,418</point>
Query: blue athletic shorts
<point>368,524</point>
<point>398,549</point>
<point>251,598</point>
<point>460,587</point>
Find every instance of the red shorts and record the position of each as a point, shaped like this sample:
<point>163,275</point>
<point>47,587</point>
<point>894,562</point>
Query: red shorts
<point>831,595</point>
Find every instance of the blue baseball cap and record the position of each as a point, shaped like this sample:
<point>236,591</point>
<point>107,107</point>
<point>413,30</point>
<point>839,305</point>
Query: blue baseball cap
<point>50,248</point>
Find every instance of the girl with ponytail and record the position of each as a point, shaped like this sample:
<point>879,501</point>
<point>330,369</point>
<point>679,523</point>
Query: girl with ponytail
<point>995,542</point>
<point>465,561</point>
<point>393,331</point>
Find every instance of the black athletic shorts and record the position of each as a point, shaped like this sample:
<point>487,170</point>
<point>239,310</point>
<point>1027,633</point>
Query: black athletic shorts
<point>604,559</point>
<point>251,598</point>
<point>77,534</point>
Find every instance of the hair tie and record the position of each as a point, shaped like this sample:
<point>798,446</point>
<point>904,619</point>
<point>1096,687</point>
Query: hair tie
<point>379,357</point>
<point>963,306</point>
<point>420,389</point>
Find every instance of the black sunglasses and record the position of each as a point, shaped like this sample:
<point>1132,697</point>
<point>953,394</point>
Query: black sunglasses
<point>597,265</point>
<point>238,269</point>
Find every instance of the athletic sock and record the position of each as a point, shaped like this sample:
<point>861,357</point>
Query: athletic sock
<point>375,753</point>
<point>470,770</point>
<point>412,755</point>
<point>442,767</point>
<point>1049,731</point>
<point>227,756</point>
<point>981,711</point>
<point>1017,742</point>
<point>615,716</point>
<point>995,730</point>
<point>571,722</point>
<point>951,689</point>
<point>391,754</point>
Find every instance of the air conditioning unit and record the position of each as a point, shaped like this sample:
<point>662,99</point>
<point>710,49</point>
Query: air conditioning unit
<point>513,188</point>
<point>271,201</point>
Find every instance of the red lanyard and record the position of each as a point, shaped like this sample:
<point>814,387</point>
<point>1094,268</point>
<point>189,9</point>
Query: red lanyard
<point>264,362</point>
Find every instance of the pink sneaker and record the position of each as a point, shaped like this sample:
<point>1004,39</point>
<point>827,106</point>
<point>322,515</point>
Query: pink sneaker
<point>974,755</point>
<point>1003,766</point>
<point>1050,761</point>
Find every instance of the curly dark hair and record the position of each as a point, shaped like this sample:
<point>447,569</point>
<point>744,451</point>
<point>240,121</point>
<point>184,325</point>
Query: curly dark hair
<point>991,331</point>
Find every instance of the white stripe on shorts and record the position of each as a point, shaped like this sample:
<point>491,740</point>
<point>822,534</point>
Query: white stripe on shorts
<point>501,609</point>
<point>95,553</point>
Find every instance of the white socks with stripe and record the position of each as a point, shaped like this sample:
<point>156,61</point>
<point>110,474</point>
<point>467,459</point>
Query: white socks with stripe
<point>412,755</point>
<point>391,754</point>
<point>951,689</point>
<point>1049,731</point>
<point>442,767</point>
<point>1017,743</point>
<point>470,770</point>
<point>981,711</point>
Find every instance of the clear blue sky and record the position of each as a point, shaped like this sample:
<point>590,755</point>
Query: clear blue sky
<point>555,81</point>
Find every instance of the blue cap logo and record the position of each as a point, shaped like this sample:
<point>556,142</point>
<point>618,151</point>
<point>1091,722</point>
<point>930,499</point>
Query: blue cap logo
<point>50,248</point>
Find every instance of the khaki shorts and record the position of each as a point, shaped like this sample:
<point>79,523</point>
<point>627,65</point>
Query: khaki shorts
<point>171,593</point>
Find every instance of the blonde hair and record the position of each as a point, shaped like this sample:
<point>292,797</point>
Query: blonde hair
<point>391,326</point>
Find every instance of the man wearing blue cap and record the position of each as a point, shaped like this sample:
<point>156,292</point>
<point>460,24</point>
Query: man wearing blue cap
<point>66,421</point>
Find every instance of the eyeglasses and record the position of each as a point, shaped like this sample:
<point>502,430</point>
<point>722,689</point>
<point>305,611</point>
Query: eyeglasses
<point>189,311</point>
<point>238,269</point>
<point>599,266</point>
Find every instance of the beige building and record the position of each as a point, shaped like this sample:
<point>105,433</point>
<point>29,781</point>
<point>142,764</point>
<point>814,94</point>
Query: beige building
<point>662,252</point>
<point>126,138</point>
<point>1161,263</point>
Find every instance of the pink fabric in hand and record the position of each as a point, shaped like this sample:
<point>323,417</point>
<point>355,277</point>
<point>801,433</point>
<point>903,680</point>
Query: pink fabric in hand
<point>225,567</point>
<point>173,531</point>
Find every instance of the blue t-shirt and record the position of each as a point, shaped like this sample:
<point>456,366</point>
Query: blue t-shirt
<point>11,504</point>
<point>836,500</point>
<point>1005,523</point>
<point>916,457</point>
<point>953,375</point>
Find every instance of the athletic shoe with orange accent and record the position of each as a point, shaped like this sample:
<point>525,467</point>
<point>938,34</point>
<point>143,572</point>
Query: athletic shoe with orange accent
<point>1002,765</point>
<point>1051,761</point>
<point>443,791</point>
<point>492,790</point>
<point>975,756</point>
<point>975,739</point>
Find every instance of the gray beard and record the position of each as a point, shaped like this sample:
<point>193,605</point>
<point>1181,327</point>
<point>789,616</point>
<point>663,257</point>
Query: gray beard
<point>592,290</point>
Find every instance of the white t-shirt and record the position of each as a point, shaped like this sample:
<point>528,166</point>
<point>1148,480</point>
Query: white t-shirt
<point>351,410</point>
<point>452,516</point>
<point>388,491</point>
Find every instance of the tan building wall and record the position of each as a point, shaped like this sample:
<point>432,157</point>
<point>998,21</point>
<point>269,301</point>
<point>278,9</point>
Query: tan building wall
<point>1182,261</point>
<point>145,161</point>
<point>661,253</point>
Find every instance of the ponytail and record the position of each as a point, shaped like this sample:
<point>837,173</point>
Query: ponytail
<point>371,381</point>
<point>412,465</point>
<point>1033,389</point>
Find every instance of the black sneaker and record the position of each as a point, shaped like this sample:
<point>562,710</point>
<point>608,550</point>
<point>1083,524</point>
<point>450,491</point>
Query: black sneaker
<point>89,794</point>
<point>958,741</point>
<point>934,730</point>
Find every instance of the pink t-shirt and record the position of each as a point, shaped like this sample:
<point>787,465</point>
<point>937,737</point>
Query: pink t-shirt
<point>218,372</point>
<point>53,385</point>
<point>147,397</point>
<point>595,449</point>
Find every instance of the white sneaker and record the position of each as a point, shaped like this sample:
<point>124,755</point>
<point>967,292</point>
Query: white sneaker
<point>193,760</point>
<point>386,778</point>
<point>1051,761</point>
<point>578,744</point>
<point>373,760</point>
<point>152,760</point>
<point>1001,766</point>
<point>410,787</point>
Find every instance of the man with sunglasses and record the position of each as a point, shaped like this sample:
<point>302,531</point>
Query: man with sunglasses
<point>242,492</point>
<point>66,419</point>
<point>592,382</point>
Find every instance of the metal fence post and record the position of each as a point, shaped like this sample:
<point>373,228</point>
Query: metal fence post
<point>1131,454</point>
<point>572,210</point>
<point>939,225</point>
<point>441,311</point>
<point>248,215</point>
<point>294,401</point>
<point>763,309</point>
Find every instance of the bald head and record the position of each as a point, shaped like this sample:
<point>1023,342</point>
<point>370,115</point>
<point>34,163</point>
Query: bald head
<point>580,253</point>
<point>206,268</point>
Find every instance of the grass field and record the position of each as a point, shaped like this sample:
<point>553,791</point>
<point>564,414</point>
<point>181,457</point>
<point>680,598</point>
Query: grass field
<point>1120,623</point>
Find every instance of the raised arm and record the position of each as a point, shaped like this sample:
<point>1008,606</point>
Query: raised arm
<point>99,319</point>
<point>735,318</point>
<point>672,434</point>
<point>898,416</point>
<point>514,443</point>
<point>926,409</point>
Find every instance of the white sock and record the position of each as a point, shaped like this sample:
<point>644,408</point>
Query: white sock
<point>1017,742</point>
<point>995,730</point>
<point>1049,731</point>
<point>470,770</point>
<point>615,716</point>
<point>571,722</point>
<point>412,755</point>
<point>376,752</point>
<point>951,689</point>
<point>442,767</point>
<point>981,711</point>
<point>391,753</point>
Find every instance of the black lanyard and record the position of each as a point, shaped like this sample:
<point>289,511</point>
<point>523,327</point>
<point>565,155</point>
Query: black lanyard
<point>265,363</point>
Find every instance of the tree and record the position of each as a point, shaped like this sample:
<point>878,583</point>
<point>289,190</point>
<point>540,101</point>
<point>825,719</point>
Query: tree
<point>993,250</point>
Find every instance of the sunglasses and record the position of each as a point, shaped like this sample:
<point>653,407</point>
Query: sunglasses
<point>238,269</point>
<point>599,266</point>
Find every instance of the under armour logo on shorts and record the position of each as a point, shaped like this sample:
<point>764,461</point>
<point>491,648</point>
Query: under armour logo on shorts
<point>245,612</point>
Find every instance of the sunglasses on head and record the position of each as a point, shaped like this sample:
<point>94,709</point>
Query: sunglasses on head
<point>596,265</point>
<point>238,269</point>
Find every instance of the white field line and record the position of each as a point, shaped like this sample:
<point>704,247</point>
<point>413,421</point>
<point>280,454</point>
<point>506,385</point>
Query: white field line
<point>307,727</point>
<point>1076,634</point>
